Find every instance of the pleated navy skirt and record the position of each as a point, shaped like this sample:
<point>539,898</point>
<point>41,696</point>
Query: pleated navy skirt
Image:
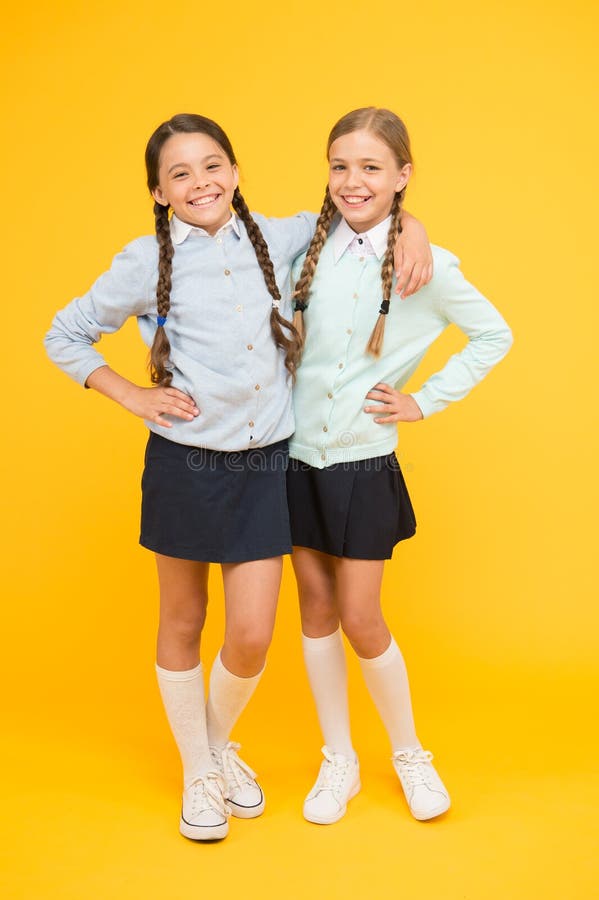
<point>212,506</point>
<point>356,509</point>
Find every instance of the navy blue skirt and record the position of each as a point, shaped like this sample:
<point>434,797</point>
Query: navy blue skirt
<point>212,506</point>
<point>356,509</point>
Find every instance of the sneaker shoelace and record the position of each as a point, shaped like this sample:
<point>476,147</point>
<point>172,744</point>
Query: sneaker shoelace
<point>332,771</point>
<point>207,793</point>
<point>234,769</point>
<point>415,765</point>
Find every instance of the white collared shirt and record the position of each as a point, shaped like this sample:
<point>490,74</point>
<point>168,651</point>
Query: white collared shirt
<point>368,243</point>
<point>181,230</point>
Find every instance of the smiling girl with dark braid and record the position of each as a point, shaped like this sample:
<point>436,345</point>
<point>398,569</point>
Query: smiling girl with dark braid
<point>348,502</point>
<point>223,356</point>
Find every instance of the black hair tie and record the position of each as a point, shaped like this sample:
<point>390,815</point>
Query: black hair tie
<point>384,308</point>
<point>300,305</point>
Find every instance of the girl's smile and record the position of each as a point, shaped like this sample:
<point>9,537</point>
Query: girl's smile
<point>364,177</point>
<point>197,180</point>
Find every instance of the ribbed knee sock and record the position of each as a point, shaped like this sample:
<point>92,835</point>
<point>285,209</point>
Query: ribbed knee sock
<point>183,698</point>
<point>227,698</point>
<point>387,680</point>
<point>327,674</point>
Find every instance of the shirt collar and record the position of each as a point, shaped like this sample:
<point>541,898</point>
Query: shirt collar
<point>180,231</point>
<point>377,236</point>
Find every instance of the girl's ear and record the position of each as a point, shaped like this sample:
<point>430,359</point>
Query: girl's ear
<point>235,175</point>
<point>159,197</point>
<point>403,177</point>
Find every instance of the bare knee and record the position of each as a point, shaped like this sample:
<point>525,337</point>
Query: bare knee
<point>368,634</point>
<point>316,589</point>
<point>244,651</point>
<point>184,629</point>
<point>319,613</point>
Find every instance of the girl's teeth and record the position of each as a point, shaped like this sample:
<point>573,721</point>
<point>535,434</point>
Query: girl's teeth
<point>203,201</point>
<point>355,200</point>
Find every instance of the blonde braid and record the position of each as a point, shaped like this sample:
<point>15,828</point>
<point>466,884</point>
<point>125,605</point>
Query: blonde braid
<point>161,348</point>
<point>375,344</point>
<point>302,288</point>
<point>291,345</point>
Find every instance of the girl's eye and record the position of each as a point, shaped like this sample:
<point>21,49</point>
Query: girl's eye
<point>180,174</point>
<point>371,168</point>
<point>214,166</point>
<point>337,168</point>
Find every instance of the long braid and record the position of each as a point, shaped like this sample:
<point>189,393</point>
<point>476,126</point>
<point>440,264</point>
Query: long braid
<point>302,288</point>
<point>160,350</point>
<point>291,345</point>
<point>375,344</point>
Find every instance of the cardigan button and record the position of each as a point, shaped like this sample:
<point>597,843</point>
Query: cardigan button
<point>324,428</point>
<point>251,424</point>
<point>330,396</point>
<point>227,271</point>
<point>323,456</point>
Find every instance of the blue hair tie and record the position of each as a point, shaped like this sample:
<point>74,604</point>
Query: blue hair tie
<point>161,320</point>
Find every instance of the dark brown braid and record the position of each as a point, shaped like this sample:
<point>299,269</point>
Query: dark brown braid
<point>160,350</point>
<point>291,345</point>
<point>375,344</point>
<point>302,288</point>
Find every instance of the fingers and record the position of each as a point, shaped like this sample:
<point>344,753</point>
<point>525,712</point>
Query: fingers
<point>387,419</point>
<point>184,400</point>
<point>414,282</point>
<point>412,278</point>
<point>174,402</point>
<point>398,259</point>
<point>403,275</point>
<point>158,420</point>
<point>381,392</point>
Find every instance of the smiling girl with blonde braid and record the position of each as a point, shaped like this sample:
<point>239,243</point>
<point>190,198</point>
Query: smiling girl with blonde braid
<point>348,502</point>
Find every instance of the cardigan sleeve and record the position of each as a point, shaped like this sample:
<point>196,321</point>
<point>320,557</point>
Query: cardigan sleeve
<point>126,289</point>
<point>489,338</point>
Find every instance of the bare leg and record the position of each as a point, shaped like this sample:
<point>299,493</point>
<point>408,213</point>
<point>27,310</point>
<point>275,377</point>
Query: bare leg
<point>324,654</point>
<point>383,666</point>
<point>251,593</point>
<point>183,604</point>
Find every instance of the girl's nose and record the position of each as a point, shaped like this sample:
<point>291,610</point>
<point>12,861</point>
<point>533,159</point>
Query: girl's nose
<point>353,179</point>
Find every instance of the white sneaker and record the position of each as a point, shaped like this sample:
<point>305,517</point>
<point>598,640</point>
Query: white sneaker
<point>338,781</point>
<point>243,793</point>
<point>204,814</point>
<point>426,794</point>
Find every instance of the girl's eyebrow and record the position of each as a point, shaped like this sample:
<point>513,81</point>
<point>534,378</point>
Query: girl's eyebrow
<point>363,160</point>
<point>205,159</point>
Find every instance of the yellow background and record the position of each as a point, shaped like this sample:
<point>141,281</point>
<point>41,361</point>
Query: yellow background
<point>491,603</point>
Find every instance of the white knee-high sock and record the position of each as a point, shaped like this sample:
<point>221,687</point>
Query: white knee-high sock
<point>327,674</point>
<point>227,698</point>
<point>183,698</point>
<point>387,680</point>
